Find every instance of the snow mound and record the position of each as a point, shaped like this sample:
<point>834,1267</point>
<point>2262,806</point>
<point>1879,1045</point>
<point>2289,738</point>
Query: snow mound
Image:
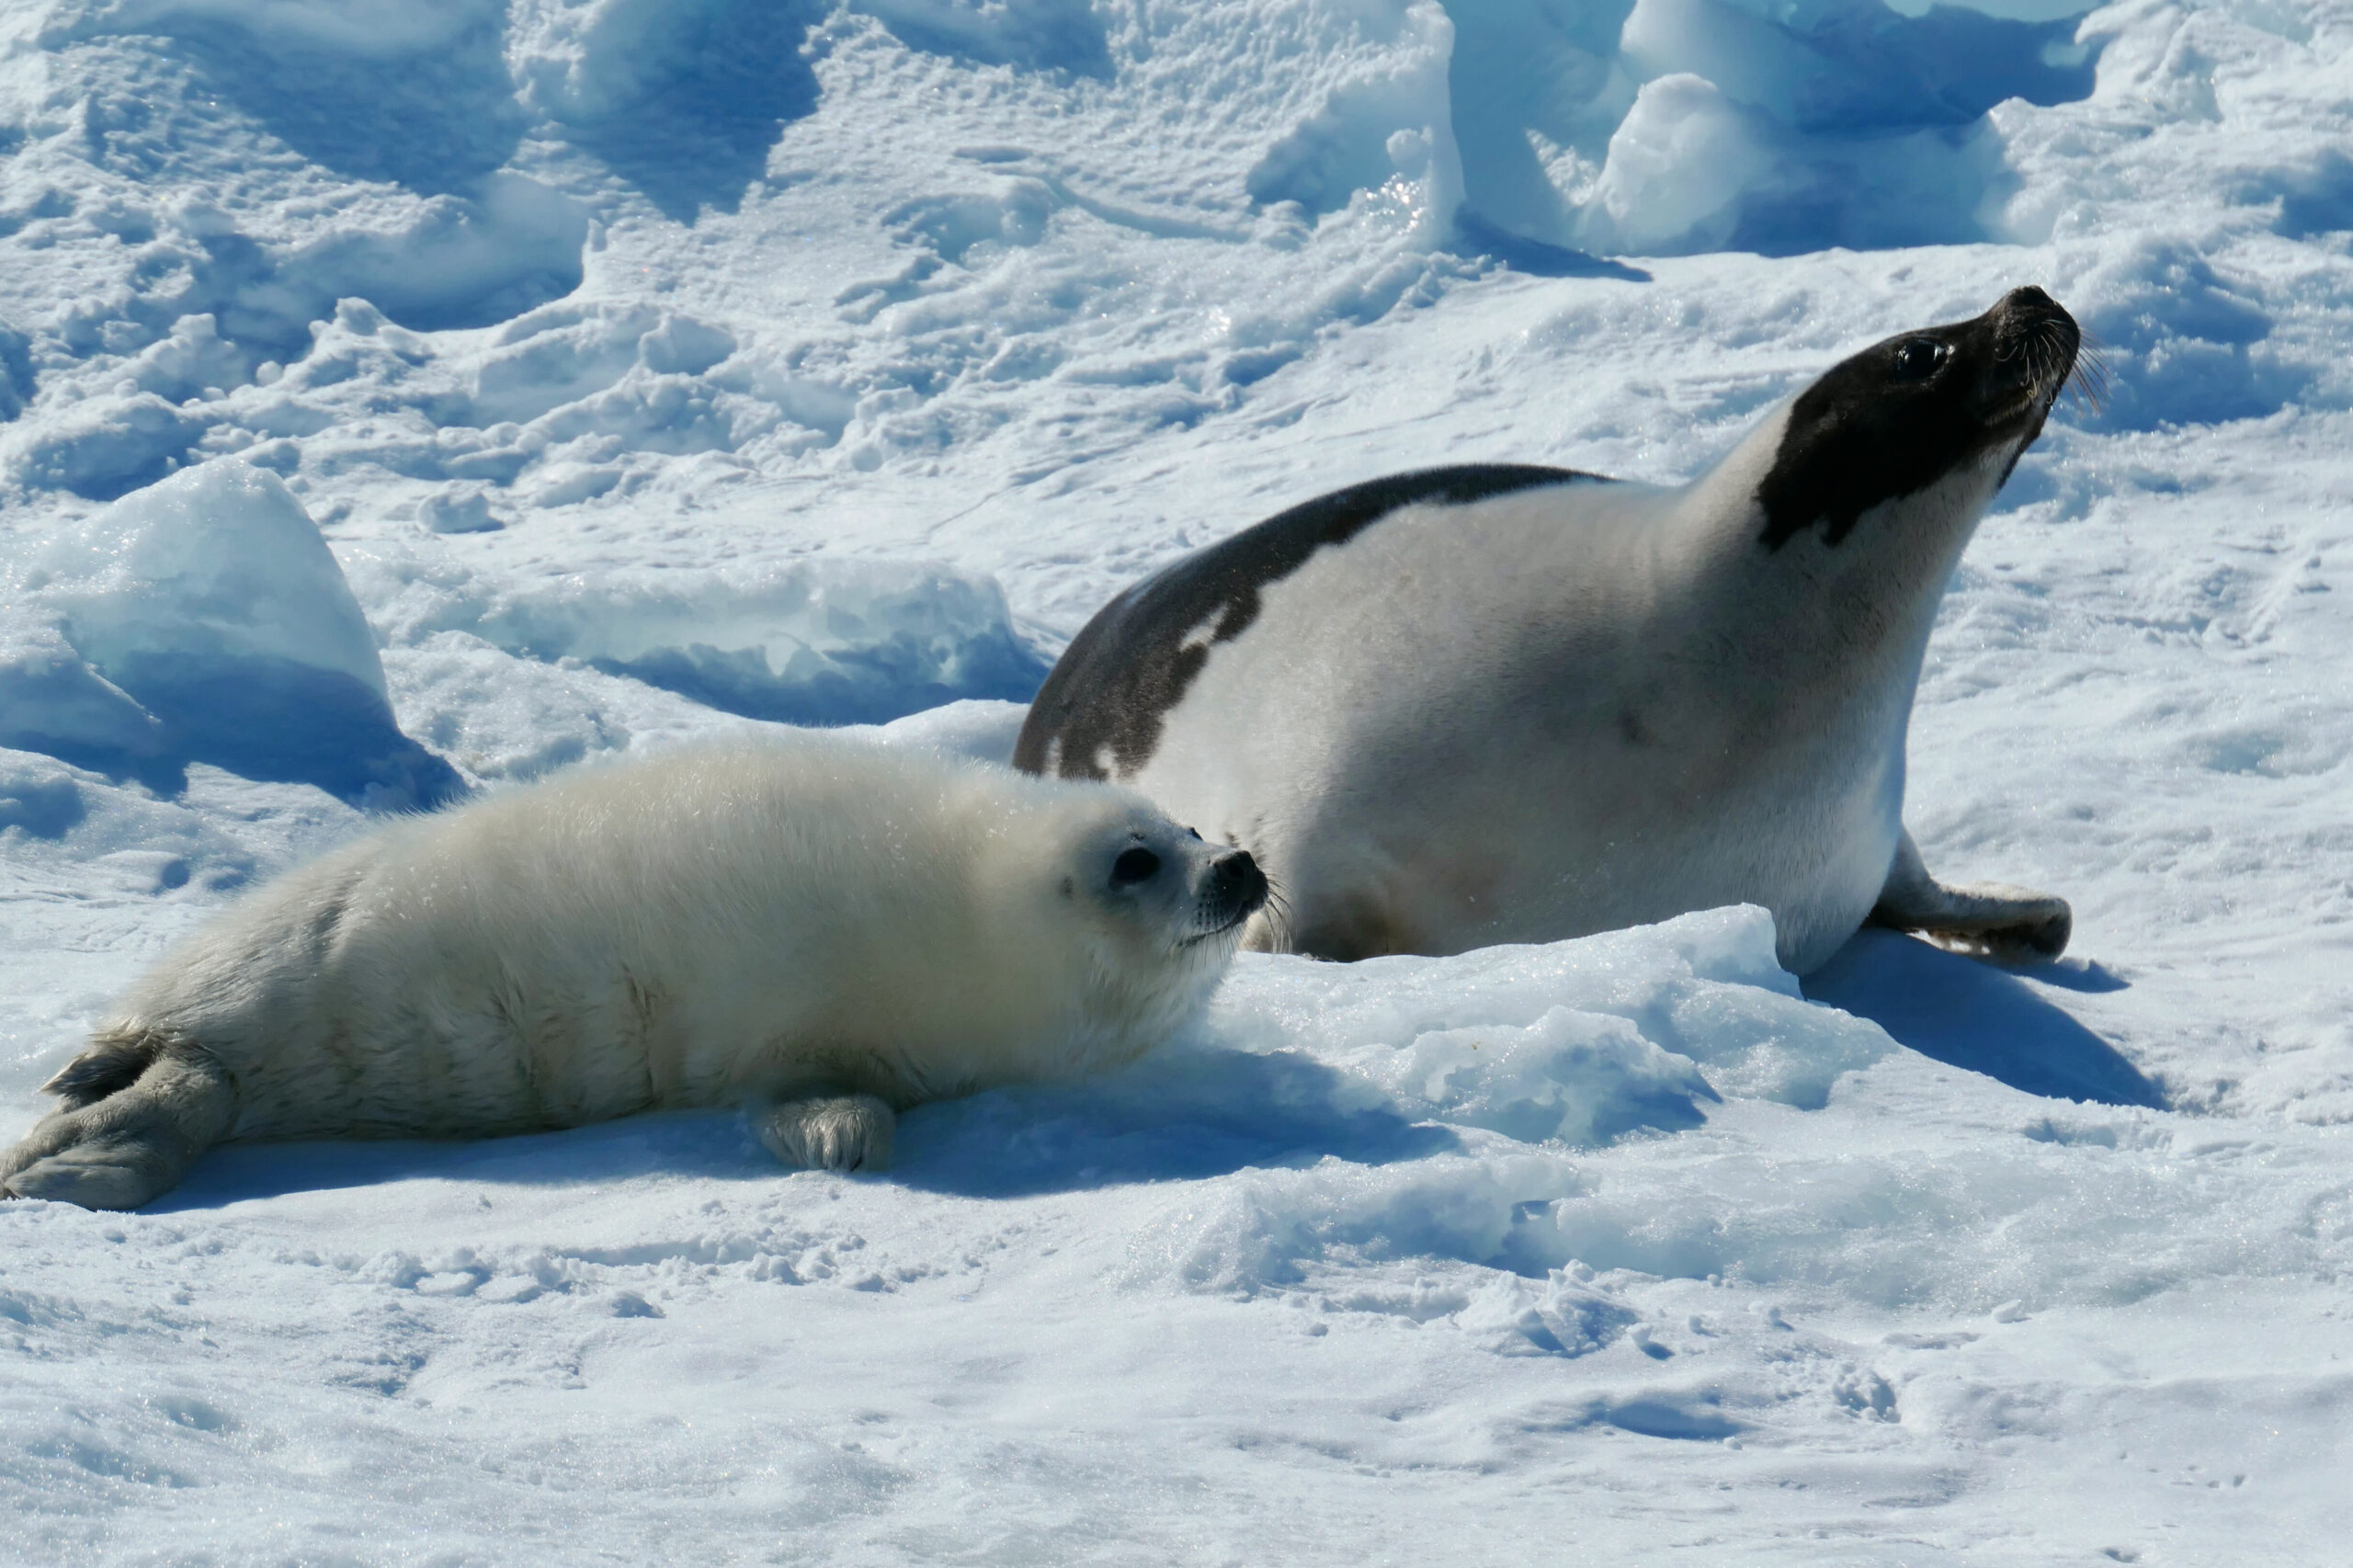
<point>682,100</point>
<point>1615,1020</point>
<point>831,641</point>
<point>1667,127</point>
<point>204,620</point>
<point>1676,126</point>
<point>1440,1098</point>
<point>1570,1075</point>
<point>978,728</point>
<point>1659,1101</point>
<point>1571,1045</point>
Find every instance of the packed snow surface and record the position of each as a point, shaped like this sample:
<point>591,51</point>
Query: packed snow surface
<point>405,397</point>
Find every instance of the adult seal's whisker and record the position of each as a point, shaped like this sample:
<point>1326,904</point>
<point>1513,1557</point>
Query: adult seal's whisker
<point>2089,381</point>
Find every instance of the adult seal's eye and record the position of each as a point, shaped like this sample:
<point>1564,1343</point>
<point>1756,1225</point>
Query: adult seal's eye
<point>1134,866</point>
<point>1917,359</point>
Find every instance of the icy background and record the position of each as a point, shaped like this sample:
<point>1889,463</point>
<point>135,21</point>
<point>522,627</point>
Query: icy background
<point>404,396</point>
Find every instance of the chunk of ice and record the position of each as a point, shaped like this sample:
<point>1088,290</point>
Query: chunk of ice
<point>204,620</point>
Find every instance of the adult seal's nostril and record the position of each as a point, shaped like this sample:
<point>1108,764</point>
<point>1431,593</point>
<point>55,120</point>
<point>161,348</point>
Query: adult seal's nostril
<point>2029,315</point>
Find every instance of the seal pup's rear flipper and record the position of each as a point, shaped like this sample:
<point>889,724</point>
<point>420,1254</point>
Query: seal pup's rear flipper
<point>121,1148</point>
<point>1986,920</point>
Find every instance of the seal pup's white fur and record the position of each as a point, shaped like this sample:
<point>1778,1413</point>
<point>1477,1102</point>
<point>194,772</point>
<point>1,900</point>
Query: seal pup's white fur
<point>828,928</point>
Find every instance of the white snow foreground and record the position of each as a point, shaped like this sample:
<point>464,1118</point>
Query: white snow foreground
<point>548,379</point>
<point>1381,1247</point>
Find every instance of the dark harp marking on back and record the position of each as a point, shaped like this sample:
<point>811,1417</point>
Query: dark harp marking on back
<point>1132,663</point>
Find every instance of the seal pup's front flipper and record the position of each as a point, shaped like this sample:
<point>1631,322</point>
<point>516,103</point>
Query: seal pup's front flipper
<point>126,1144</point>
<point>835,1132</point>
<point>1986,920</point>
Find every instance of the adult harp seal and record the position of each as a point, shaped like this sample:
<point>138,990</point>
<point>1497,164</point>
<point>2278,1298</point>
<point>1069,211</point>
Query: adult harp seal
<point>1508,703</point>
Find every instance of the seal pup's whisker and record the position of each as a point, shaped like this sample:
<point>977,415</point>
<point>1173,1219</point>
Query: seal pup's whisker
<point>1277,913</point>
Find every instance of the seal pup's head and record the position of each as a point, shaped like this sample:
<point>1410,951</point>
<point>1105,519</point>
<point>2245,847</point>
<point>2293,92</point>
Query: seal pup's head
<point>1142,914</point>
<point>1940,415</point>
<point>1164,901</point>
<point>1168,887</point>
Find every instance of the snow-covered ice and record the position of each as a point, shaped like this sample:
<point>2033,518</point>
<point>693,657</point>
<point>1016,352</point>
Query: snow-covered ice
<point>203,620</point>
<point>401,399</point>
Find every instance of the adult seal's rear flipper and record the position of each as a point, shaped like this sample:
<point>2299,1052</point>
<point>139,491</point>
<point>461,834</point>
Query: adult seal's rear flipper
<point>1986,920</point>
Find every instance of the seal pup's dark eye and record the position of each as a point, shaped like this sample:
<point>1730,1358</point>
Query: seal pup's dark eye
<point>1917,359</point>
<point>1134,866</point>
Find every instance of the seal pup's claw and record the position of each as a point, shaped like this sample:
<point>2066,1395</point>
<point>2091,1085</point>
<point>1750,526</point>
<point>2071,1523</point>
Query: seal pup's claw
<point>120,1175</point>
<point>844,1132</point>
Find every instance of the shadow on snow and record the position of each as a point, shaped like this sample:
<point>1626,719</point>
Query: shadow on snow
<point>1181,1115</point>
<point>1190,1113</point>
<point>1974,1016</point>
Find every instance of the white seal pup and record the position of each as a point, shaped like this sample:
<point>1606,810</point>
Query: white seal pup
<point>1510,704</point>
<point>828,930</point>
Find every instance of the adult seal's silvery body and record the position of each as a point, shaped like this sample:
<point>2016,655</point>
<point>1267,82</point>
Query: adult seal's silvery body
<point>1504,703</point>
<point>831,931</point>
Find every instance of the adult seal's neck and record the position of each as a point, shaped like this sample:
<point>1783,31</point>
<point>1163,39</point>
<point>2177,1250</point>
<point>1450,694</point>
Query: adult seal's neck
<point>1867,601</point>
<point>1830,533</point>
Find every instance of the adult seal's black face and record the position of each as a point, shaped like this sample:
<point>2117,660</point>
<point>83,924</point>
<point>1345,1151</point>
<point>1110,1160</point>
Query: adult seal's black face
<point>1903,413</point>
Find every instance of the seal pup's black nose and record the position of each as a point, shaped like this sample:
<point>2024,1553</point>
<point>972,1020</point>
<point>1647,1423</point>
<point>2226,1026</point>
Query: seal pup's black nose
<point>1237,884</point>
